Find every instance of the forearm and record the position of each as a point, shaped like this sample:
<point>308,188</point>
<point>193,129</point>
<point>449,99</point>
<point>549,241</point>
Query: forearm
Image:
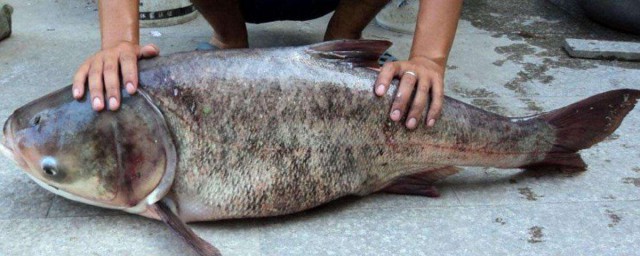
<point>435,29</point>
<point>119,22</point>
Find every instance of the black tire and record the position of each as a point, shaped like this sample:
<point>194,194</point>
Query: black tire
<point>621,15</point>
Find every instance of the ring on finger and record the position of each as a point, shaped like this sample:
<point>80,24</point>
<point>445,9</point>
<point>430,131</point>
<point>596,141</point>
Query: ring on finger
<point>410,73</point>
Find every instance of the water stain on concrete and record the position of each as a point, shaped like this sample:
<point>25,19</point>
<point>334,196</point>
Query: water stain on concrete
<point>528,194</point>
<point>636,169</point>
<point>473,93</point>
<point>609,197</point>
<point>530,72</point>
<point>500,220</point>
<point>481,97</point>
<point>615,218</point>
<point>531,105</point>
<point>535,235</point>
<point>634,181</point>
<point>489,105</point>
<point>516,52</point>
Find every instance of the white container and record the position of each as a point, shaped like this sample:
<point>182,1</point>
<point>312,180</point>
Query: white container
<point>399,16</point>
<point>162,13</point>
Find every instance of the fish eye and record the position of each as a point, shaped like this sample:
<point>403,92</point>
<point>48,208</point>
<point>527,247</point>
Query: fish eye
<point>35,120</point>
<point>50,170</point>
<point>49,166</point>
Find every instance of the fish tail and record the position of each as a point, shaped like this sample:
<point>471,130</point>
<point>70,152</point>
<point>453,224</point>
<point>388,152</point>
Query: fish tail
<point>583,124</point>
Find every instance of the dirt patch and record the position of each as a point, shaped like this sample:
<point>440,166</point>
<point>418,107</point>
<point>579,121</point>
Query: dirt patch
<point>535,235</point>
<point>528,194</point>
<point>613,217</point>
<point>637,169</point>
<point>501,221</point>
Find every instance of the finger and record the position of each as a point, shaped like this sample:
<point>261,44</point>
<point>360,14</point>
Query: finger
<point>95,84</point>
<point>437,100</point>
<point>399,106</point>
<point>129,69</point>
<point>385,76</point>
<point>419,103</point>
<point>111,81</point>
<point>149,50</point>
<point>79,80</point>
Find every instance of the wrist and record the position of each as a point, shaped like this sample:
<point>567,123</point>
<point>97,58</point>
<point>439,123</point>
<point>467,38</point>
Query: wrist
<point>440,61</point>
<point>115,43</point>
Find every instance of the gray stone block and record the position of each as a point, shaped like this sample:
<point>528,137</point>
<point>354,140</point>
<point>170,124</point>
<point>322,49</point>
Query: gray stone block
<point>597,49</point>
<point>5,20</point>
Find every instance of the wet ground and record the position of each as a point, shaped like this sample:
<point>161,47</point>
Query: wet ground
<point>507,58</point>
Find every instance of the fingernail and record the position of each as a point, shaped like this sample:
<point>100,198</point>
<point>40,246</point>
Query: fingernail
<point>96,103</point>
<point>431,122</point>
<point>113,103</point>
<point>130,88</point>
<point>395,115</point>
<point>380,90</point>
<point>412,123</point>
<point>76,93</point>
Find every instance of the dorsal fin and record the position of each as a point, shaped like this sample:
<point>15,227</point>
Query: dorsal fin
<point>357,53</point>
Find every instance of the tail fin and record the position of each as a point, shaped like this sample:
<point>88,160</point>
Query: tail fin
<point>585,123</point>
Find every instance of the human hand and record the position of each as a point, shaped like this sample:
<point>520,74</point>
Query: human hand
<point>103,70</point>
<point>421,74</point>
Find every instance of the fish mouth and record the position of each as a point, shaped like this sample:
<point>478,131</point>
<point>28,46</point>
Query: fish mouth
<point>6,144</point>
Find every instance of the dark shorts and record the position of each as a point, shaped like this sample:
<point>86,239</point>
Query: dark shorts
<point>260,11</point>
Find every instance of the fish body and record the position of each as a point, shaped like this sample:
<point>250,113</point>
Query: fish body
<point>254,133</point>
<point>256,141</point>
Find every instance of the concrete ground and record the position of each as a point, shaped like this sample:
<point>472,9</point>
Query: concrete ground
<point>507,58</point>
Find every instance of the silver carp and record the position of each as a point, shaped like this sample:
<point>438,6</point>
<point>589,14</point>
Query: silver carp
<point>265,132</point>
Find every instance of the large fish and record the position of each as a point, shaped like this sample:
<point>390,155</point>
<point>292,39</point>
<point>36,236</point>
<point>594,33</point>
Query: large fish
<point>264,132</point>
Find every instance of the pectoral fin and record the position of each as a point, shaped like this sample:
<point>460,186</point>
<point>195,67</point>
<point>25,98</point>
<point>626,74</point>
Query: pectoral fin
<point>181,229</point>
<point>420,184</point>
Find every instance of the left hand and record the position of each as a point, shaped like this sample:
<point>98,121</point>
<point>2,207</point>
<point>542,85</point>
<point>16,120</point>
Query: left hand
<point>418,73</point>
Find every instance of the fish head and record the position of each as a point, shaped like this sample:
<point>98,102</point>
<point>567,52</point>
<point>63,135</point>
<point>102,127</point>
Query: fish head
<point>121,159</point>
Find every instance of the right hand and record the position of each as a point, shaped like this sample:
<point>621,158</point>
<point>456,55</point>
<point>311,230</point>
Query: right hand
<point>102,68</point>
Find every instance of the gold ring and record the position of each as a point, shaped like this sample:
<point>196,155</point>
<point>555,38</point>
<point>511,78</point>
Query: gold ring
<point>410,73</point>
